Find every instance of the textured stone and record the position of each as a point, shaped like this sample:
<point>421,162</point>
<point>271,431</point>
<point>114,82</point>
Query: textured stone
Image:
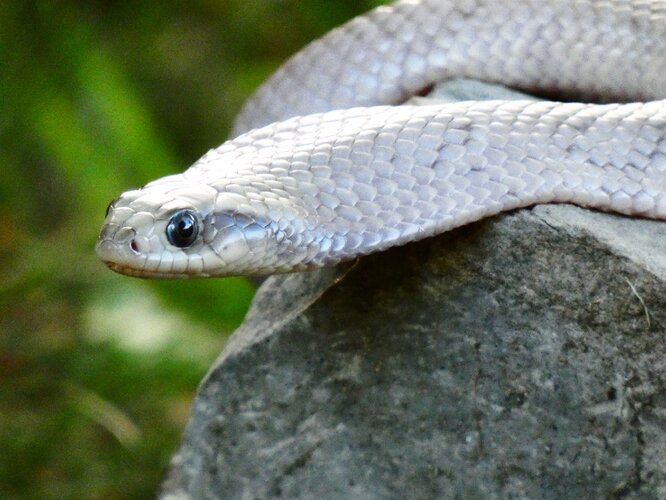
<point>522,356</point>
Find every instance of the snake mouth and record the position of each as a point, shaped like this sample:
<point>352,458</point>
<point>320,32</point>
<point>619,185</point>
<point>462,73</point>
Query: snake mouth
<point>142,273</point>
<point>128,271</point>
<point>116,258</point>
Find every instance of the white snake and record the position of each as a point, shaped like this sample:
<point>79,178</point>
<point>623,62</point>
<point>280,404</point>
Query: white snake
<point>321,188</point>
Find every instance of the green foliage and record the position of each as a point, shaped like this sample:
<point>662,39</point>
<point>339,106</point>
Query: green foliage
<point>97,371</point>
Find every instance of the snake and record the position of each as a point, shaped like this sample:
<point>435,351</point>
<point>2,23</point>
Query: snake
<point>328,163</point>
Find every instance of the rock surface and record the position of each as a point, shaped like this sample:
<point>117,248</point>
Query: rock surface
<point>518,357</point>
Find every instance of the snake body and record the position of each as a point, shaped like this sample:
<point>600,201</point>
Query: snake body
<point>320,172</point>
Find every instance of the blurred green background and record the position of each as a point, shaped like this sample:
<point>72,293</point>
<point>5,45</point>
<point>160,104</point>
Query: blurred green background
<point>97,370</point>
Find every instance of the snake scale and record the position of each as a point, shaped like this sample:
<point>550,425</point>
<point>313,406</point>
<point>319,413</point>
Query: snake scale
<point>326,165</point>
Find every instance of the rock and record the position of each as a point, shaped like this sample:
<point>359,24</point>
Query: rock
<point>522,356</point>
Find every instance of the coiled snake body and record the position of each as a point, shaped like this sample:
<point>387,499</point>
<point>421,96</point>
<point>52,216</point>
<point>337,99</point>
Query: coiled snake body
<point>319,173</point>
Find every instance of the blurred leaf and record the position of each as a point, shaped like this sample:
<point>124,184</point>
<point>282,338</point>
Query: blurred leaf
<point>218,303</point>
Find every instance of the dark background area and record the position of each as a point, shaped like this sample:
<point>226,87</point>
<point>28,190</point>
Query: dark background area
<point>97,370</point>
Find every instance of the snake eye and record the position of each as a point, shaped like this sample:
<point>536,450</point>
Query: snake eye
<point>183,228</point>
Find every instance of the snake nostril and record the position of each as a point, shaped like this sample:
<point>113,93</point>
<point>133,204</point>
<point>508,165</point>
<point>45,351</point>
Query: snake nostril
<point>134,246</point>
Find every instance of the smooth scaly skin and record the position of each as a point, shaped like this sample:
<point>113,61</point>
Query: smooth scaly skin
<point>315,190</point>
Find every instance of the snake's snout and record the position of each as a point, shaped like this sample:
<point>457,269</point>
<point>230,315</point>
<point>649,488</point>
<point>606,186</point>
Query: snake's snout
<point>116,246</point>
<point>114,234</point>
<point>106,250</point>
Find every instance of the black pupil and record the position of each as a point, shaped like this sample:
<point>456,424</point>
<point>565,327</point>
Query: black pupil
<point>186,228</point>
<point>182,229</point>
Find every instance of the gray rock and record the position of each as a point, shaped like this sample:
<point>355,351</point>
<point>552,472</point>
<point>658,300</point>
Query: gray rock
<point>518,357</point>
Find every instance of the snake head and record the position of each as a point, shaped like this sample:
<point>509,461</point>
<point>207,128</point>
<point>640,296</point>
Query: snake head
<point>176,227</point>
<point>156,231</point>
